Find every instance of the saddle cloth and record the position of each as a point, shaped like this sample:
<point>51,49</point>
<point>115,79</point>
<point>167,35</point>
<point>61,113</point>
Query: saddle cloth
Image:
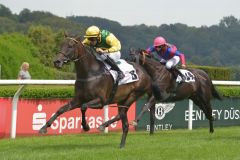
<point>188,76</point>
<point>128,70</point>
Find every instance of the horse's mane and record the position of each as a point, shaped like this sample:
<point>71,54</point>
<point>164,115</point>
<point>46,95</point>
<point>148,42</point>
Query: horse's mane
<point>150,59</point>
<point>90,49</point>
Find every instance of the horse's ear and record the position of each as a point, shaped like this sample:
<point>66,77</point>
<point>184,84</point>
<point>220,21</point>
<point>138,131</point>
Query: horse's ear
<point>142,51</point>
<point>79,38</point>
<point>65,34</point>
<point>131,50</point>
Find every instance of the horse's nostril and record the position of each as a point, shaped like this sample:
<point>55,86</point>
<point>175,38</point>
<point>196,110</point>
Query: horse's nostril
<point>56,62</point>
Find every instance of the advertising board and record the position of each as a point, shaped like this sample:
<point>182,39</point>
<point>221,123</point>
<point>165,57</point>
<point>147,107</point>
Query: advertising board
<point>33,114</point>
<point>170,116</point>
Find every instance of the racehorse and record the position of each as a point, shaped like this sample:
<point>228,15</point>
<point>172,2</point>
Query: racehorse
<point>197,85</point>
<point>94,85</point>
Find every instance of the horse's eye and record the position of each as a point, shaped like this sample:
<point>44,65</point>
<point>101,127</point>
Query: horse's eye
<point>71,43</point>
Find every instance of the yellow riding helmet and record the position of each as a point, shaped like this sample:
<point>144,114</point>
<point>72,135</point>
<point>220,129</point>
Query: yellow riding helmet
<point>92,31</point>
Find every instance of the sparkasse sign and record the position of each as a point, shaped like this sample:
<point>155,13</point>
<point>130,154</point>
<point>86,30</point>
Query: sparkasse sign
<point>33,114</point>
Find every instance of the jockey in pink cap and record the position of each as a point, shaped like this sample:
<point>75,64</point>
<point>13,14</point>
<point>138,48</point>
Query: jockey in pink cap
<point>166,53</point>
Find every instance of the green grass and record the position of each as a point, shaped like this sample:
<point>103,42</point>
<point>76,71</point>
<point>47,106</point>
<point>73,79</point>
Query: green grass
<point>167,145</point>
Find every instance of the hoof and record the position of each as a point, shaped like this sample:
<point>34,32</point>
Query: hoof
<point>101,128</point>
<point>86,127</point>
<point>134,123</point>
<point>211,131</point>
<point>121,146</point>
<point>43,130</point>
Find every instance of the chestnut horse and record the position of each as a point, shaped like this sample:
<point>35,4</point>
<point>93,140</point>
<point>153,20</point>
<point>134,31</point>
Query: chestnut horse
<point>94,85</point>
<point>197,87</point>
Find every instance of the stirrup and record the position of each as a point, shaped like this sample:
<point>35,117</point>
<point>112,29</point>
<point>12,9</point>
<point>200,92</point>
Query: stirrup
<point>183,78</point>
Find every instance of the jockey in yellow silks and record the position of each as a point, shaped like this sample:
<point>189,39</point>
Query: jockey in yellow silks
<point>106,44</point>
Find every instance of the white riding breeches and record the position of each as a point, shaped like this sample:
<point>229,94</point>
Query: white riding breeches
<point>114,55</point>
<point>172,62</point>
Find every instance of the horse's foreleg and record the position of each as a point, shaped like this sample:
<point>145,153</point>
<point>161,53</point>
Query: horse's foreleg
<point>67,107</point>
<point>84,122</point>
<point>125,125</point>
<point>94,104</point>
<point>145,108</point>
<point>152,118</point>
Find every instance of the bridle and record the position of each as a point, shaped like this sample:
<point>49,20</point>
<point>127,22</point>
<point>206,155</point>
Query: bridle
<point>73,56</point>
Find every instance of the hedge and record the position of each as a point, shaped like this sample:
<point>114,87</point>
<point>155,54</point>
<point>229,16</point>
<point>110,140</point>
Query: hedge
<point>47,91</point>
<point>39,91</point>
<point>217,73</point>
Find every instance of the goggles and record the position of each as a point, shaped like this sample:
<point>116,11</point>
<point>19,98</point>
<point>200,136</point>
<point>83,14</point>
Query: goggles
<point>160,47</point>
<point>92,39</point>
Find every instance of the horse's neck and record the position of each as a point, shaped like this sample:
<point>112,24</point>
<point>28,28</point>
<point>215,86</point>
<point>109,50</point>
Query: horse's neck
<point>155,69</point>
<point>88,66</point>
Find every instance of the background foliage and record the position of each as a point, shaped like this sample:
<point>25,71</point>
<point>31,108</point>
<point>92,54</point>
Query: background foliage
<point>216,45</point>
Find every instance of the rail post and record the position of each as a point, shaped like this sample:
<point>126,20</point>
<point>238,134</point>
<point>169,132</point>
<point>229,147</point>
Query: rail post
<point>190,109</point>
<point>105,110</point>
<point>14,111</point>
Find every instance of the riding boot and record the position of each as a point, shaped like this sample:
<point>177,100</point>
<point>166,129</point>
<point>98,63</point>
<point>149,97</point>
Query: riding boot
<point>179,73</point>
<point>115,67</point>
<point>176,72</point>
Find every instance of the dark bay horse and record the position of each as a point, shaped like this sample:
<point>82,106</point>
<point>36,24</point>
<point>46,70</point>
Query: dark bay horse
<point>94,85</point>
<point>166,89</point>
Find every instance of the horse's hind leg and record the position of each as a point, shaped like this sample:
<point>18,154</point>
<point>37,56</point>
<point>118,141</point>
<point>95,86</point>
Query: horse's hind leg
<point>207,109</point>
<point>125,125</point>
<point>209,116</point>
<point>67,107</point>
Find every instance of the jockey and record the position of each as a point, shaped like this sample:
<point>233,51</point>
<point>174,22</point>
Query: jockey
<point>107,45</point>
<point>167,54</point>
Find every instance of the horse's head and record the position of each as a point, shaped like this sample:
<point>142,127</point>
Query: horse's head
<point>69,51</point>
<point>138,56</point>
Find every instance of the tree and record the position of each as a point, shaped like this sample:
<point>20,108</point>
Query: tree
<point>5,12</point>
<point>228,22</point>
<point>43,38</point>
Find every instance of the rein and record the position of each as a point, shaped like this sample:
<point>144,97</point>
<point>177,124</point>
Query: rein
<point>144,61</point>
<point>78,58</point>
<point>89,79</point>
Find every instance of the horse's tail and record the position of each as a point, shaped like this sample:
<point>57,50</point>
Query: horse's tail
<point>215,93</point>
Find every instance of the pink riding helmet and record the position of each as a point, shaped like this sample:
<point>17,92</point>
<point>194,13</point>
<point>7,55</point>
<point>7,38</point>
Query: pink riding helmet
<point>158,41</point>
